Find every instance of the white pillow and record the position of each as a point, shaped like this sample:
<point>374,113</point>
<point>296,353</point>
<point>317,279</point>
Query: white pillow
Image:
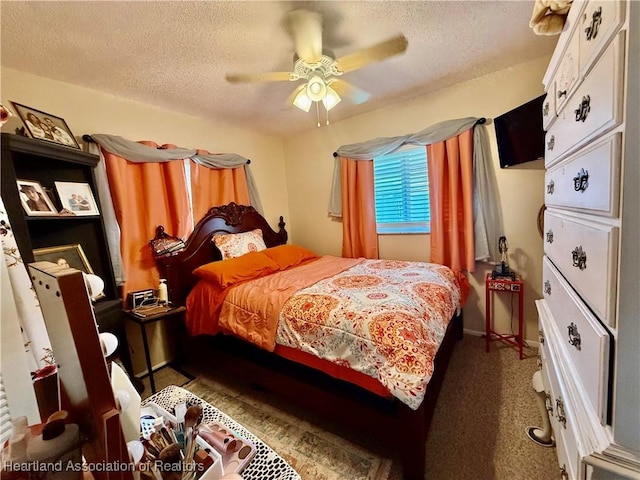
<point>233,245</point>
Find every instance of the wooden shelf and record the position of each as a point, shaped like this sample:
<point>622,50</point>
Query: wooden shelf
<point>44,162</point>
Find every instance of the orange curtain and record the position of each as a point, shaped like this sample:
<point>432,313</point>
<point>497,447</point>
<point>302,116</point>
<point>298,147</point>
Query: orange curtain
<point>211,187</point>
<point>451,199</point>
<point>359,237</point>
<point>144,196</point>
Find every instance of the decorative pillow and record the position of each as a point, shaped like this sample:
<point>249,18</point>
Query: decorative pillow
<point>289,255</point>
<point>229,272</point>
<point>233,245</point>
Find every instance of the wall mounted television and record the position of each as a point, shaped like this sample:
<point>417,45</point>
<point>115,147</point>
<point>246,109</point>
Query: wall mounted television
<point>520,134</point>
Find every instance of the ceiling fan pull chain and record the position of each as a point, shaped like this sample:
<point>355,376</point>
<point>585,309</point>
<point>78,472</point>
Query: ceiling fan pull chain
<point>327,116</point>
<point>318,113</point>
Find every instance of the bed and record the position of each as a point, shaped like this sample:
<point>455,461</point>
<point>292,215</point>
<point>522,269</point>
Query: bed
<point>371,383</point>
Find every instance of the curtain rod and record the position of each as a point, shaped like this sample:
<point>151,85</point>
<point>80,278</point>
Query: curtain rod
<point>89,139</point>
<point>480,121</point>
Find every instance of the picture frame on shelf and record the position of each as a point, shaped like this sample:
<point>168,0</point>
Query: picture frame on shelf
<point>77,198</point>
<point>64,255</point>
<point>45,126</point>
<point>35,201</point>
<point>71,256</point>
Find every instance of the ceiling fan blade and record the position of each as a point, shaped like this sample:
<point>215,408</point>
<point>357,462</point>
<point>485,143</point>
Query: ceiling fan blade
<point>259,77</point>
<point>305,28</point>
<point>351,92</point>
<point>375,53</point>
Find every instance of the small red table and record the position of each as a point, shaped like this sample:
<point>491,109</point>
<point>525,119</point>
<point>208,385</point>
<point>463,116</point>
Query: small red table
<point>511,286</point>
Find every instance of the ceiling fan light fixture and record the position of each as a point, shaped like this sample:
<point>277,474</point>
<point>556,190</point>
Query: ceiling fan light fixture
<point>316,88</point>
<point>302,100</point>
<point>331,99</point>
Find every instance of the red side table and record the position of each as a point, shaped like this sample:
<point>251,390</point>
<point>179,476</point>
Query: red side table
<point>511,286</point>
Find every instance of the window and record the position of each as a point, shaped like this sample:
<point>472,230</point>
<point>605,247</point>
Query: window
<point>402,192</point>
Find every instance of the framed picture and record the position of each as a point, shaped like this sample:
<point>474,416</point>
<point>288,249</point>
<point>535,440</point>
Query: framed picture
<point>45,126</point>
<point>71,256</point>
<point>34,199</point>
<point>77,198</point>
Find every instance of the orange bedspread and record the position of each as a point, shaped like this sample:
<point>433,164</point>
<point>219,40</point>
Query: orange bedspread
<point>252,309</point>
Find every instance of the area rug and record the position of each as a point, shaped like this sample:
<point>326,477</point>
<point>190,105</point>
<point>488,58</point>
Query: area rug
<point>314,453</point>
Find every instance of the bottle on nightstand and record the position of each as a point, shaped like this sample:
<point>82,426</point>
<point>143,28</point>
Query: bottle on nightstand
<point>163,295</point>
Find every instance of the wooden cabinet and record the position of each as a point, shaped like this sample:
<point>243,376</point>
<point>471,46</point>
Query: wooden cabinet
<point>31,159</point>
<point>590,315</point>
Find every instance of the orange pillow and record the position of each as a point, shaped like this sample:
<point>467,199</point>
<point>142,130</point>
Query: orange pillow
<point>234,270</point>
<point>289,255</point>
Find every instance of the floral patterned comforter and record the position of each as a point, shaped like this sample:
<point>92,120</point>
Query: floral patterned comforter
<point>383,318</point>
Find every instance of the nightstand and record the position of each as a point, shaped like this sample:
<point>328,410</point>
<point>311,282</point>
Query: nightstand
<point>175,312</point>
<point>511,286</point>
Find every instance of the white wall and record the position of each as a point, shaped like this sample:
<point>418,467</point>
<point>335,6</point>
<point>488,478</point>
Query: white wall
<point>309,168</point>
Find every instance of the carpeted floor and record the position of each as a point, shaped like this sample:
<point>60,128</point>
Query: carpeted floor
<point>477,433</point>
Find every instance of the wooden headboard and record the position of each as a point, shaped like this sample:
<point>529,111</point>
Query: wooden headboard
<point>177,267</point>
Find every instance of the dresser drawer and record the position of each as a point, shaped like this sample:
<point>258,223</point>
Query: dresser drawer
<point>600,21</point>
<point>566,77</point>
<point>585,252</point>
<point>561,414</point>
<point>586,342</point>
<point>588,181</point>
<point>594,108</point>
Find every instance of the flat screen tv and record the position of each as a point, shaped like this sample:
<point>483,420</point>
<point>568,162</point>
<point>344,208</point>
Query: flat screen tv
<point>520,134</point>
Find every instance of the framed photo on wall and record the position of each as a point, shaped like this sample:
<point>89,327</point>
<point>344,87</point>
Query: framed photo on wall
<point>45,126</point>
<point>77,198</point>
<point>35,201</point>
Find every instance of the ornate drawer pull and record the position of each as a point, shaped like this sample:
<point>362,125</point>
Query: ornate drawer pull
<point>541,336</point>
<point>549,236</point>
<point>551,186</point>
<point>574,336</point>
<point>564,475</point>
<point>545,109</point>
<point>548,403</point>
<point>547,287</point>
<point>539,362</point>
<point>581,181</point>
<point>583,109</point>
<point>579,258</point>
<point>560,416</point>
<point>596,20</point>
<point>551,143</point>
<point>562,93</point>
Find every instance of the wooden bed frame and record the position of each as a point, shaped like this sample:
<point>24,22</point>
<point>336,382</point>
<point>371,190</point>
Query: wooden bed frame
<point>385,418</point>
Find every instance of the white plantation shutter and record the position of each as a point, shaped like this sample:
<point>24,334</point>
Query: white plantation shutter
<point>5,416</point>
<point>402,192</point>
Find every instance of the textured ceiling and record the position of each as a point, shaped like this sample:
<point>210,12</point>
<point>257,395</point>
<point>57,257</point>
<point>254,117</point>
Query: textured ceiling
<point>175,54</point>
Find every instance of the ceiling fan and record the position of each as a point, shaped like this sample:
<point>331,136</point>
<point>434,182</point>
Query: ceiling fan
<point>319,67</point>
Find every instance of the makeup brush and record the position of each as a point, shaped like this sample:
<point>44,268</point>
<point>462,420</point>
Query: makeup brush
<point>191,421</point>
<point>170,454</point>
<point>151,447</point>
<point>180,411</point>
<point>192,415</point>
<point>166,435</point>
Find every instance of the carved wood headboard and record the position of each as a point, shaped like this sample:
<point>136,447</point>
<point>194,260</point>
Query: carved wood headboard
<point>177,267</point>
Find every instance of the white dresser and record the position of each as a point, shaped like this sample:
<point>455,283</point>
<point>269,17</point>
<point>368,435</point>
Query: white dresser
<point>590,314</point>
